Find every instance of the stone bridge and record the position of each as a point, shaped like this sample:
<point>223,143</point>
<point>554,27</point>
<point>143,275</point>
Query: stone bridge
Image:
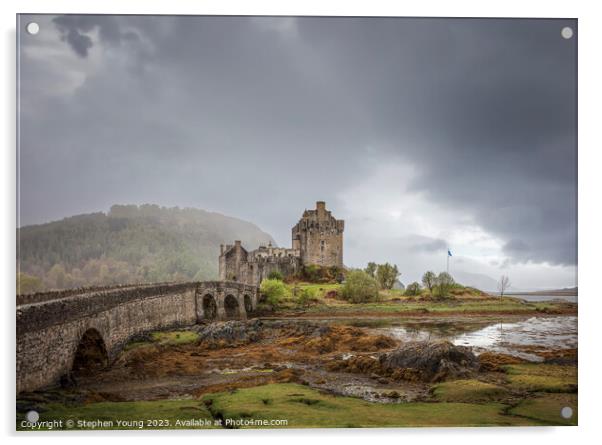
<point>63,333</point>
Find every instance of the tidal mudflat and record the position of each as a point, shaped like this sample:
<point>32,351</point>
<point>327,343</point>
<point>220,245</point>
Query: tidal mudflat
<point>303,369</point>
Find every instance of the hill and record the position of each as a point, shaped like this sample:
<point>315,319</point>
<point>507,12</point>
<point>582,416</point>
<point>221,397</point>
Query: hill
<point>128,244</point>
<point>476,280</point>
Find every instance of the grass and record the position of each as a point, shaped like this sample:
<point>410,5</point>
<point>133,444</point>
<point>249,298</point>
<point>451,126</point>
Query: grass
<point>450,306</point>
<point>174,337</point>
<point>459,403</point>
<point>467,300</point>
<point>547,408</point>
<point>542,378</point>
<point>303,407</point>
<point>468,391</point>
<point>153,414</point>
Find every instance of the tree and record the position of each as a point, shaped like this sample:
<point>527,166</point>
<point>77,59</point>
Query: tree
<point>275,275</point>
<point>57,277</point>
<point>429,280</point>
<point>412,289</point>
<point>503,285</point>
<point>444,284</point>
<point>371,269</point>
<point>274,291</point>
<point>28,284</point>
<point>386,275</point>
<point>360,287</point>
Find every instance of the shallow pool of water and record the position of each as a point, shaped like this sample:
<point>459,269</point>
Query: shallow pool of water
<point>506,337</point>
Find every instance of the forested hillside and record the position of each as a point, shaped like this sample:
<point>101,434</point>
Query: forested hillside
<point>128,244</point>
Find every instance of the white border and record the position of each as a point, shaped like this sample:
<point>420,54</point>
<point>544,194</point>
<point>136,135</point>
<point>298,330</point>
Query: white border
<point>590,221</point>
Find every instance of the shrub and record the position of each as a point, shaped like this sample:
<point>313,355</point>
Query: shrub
<point>306,297</point>
<point>337,274</point>
<point>275,275</point>
<point>360,287</point>
<point>314,273</point>
<point>274,291</point>
<point>412,289</point>
<point>445,283</point>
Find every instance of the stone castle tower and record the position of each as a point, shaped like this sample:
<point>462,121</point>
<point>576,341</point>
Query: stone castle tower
<point>319,237</point>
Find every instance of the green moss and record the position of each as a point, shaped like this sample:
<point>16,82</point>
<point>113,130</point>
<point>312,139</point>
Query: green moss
<point>542,377</point>
<point>174,337</point>
<point>547,408</point>
<point>468,391</point>
<point>303,407</point>
<point>165,412</point>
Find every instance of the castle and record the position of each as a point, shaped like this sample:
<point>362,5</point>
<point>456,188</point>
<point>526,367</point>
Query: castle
<point>316,239</point>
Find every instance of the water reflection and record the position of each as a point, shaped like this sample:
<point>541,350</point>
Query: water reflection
<point>510,338</point>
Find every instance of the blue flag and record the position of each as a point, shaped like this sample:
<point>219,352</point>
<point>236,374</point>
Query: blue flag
<point>449,252</point>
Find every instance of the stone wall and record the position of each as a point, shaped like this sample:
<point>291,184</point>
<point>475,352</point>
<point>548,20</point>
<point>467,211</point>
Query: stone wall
<point>260,268</point>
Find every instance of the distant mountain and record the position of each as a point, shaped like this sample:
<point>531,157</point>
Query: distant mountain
<point>128,244</point>
<point>480,281</point>
<point>565,291</point>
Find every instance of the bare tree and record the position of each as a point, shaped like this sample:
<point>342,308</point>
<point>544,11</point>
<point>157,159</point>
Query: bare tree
<point>503,285</point>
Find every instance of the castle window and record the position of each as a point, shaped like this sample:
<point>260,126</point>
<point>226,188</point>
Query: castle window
<point>322,245</point>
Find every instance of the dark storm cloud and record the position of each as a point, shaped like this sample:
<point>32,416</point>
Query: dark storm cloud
<point>75,30</point>
<point>255,116</point>
<point>423,244</point>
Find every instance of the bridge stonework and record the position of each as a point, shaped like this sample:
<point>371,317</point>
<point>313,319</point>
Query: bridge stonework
<point>50,326</point>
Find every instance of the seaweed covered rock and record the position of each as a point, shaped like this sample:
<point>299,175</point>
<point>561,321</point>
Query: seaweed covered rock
<point>430,361</point>
<point>231,331</point>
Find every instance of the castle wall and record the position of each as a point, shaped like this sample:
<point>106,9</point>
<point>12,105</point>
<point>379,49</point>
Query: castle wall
<point>260,268</point>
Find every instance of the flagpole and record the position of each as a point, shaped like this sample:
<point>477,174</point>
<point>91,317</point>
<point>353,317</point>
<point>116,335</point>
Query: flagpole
<point>447,260</point>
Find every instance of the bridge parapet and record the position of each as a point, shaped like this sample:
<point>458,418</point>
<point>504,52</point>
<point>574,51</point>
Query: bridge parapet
<point>40,297</point>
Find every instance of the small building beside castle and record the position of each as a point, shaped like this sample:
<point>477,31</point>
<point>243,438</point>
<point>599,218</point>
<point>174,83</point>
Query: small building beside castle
<point>316,239</point>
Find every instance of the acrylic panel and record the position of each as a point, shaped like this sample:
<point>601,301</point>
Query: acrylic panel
<point>295,222</point>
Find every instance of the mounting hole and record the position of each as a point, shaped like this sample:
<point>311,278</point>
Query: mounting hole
<point>32,416</point>
<point>566,412</point>
<point>566,32</point>
<point>32,28</point>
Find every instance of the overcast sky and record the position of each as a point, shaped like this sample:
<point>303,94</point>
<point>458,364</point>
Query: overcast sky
<point>420,133</point>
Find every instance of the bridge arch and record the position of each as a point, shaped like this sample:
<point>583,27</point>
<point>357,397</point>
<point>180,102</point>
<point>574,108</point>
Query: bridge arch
<point>209,307</point>
<point>91,354</point>
<point>231,306</point>
<point>248,303</point>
